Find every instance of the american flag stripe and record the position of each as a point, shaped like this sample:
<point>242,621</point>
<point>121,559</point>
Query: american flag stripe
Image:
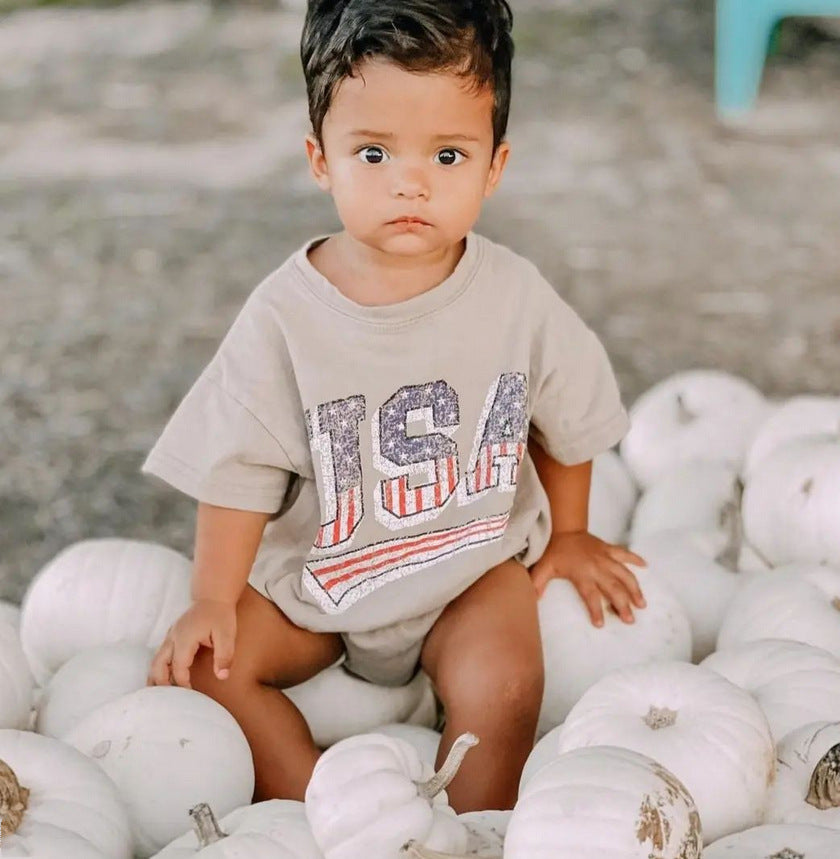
<point>427,555</point>
<point>482,476</point>
<point>365,559</point>
<point>402,501</point>
<point>424,552</point>
<point>347,516</point>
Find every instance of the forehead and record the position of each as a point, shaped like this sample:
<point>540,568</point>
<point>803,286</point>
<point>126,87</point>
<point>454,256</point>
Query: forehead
<point>384,97</point>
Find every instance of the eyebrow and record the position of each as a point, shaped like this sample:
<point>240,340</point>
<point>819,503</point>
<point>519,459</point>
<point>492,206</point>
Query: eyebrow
<point>387,135</point>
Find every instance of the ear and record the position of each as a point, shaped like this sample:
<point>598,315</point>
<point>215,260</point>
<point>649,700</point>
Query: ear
<point>497,167</point>
<point>317,163</point>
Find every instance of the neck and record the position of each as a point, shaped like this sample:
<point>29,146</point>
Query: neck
<point>373,277</point>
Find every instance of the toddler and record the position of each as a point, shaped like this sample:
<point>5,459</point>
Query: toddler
<point>391,449</point>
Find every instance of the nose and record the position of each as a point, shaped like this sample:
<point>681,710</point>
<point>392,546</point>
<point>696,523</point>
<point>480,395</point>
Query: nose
<point>409,182</point>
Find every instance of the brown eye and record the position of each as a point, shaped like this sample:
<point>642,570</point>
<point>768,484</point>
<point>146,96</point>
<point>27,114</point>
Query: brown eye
<point>377,155</point>
<point>448,157</point>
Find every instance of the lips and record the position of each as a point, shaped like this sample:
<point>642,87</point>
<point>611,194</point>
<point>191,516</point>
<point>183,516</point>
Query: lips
<point>409,220</point>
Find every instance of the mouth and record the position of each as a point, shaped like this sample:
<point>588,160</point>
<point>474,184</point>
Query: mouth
<point>409,220</point>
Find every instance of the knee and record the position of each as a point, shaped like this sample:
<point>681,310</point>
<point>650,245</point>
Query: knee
<point>511,686</point>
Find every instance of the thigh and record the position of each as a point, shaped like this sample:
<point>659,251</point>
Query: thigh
<point>487,636</point>
<point>270,649</point>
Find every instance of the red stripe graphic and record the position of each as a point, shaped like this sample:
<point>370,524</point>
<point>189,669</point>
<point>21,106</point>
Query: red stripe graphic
<point>410,549</point>
<point>325,567</point>
<point>403,501</point>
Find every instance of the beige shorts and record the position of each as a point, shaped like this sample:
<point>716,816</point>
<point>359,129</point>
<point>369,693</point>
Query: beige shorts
<point>390,655</point>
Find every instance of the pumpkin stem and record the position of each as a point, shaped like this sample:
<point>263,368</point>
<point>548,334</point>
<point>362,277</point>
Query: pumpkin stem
<point>13,800</point>
<point>660,717</point>
<point>684,413</point>
<point>415,850</point>
<point>206,826</point>
<point>824,789</point>
<point>447,772</point>
<point>731,521</point>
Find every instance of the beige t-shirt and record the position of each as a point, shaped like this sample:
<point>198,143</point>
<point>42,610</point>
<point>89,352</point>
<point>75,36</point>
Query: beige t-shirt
<point>391,441</point>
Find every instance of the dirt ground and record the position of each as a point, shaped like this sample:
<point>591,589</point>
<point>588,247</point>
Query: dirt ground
<point>152,173</point>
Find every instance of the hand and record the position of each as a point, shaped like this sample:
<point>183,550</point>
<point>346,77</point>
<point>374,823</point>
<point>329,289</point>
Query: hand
<point>596,570</point>
<point>208,622</point>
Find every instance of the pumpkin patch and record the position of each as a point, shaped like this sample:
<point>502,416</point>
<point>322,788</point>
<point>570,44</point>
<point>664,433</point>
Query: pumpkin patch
<point>709,727</point>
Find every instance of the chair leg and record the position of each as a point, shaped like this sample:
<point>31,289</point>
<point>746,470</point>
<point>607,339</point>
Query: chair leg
<point>743,31</point>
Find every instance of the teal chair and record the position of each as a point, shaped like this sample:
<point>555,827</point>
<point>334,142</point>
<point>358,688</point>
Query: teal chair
<point>743,34</point>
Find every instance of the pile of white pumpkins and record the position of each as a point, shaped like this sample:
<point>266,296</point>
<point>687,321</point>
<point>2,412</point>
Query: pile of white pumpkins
<point>710,726</point>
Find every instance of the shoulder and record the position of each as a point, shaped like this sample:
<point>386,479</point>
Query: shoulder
<point>523,281</point>
<point>257,335</point>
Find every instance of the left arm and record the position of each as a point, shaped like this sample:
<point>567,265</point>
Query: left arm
<point>595,567</point>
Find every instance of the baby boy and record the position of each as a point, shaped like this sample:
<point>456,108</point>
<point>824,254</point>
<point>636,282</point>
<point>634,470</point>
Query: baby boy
<point>391,450</point>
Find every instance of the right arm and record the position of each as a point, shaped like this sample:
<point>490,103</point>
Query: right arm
<point>226,543</point>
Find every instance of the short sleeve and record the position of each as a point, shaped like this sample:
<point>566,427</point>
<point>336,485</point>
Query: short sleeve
<point>577,411</point>
<point>217,451</point>
<point>239,433</point>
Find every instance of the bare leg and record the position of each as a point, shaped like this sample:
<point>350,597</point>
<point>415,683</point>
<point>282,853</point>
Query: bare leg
<point>271,653</point>
<point>484,656</point>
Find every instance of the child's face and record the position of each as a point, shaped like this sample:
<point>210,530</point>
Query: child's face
<point>399,144</point>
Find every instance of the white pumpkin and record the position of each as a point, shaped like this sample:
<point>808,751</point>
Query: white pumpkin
<point>791,505</point>
<point>576,654</point>
<point>703,586</point>
<point>10,613</point>
<point>793,683</point>
<point>796,601</point>
<point>167,749</point>
<point>364,705</point>
<point>425,740</point>
<point>705,415</point>
<point>72,810</point>
<point>429,711</point>
<point>544,750</point>
<point>274,829</point>
<point>751,560</point>
<point>604,801</point>
<point>794,418</point>
<point>778,841</point>
<point>88,680</point>
<point>101,592</point>
<point>695,496</point>
<point>612,497</point>
<point>16,682</point>
<point>370,794</point>
<point>807,786</point>
<point>708,732</point>
<point>485,838</point>
<point>486,831</point>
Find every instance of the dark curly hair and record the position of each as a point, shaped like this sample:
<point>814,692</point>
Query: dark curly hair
<point>471,38</point>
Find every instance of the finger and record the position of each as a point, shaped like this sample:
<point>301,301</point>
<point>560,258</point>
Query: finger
<point>630,582</point>
<point>540,574</point>
<point>619,599</point>
<point>184,656</point>
<point>591,597</point>
<point>159,667</point>
<point>222,641</point>
<point>624,555</point>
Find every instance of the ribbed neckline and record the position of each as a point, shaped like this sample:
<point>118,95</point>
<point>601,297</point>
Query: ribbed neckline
<point>401,311</point>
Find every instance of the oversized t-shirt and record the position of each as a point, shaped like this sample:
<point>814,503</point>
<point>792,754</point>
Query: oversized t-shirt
<point>390,442</point>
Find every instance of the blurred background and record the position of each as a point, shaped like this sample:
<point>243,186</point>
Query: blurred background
<point>152,172</point>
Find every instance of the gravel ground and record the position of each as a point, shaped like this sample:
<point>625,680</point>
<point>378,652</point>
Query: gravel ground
<point>152,173</point>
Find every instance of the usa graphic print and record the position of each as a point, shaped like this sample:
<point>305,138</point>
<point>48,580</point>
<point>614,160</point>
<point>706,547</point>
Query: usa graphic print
<point>338,575</point>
